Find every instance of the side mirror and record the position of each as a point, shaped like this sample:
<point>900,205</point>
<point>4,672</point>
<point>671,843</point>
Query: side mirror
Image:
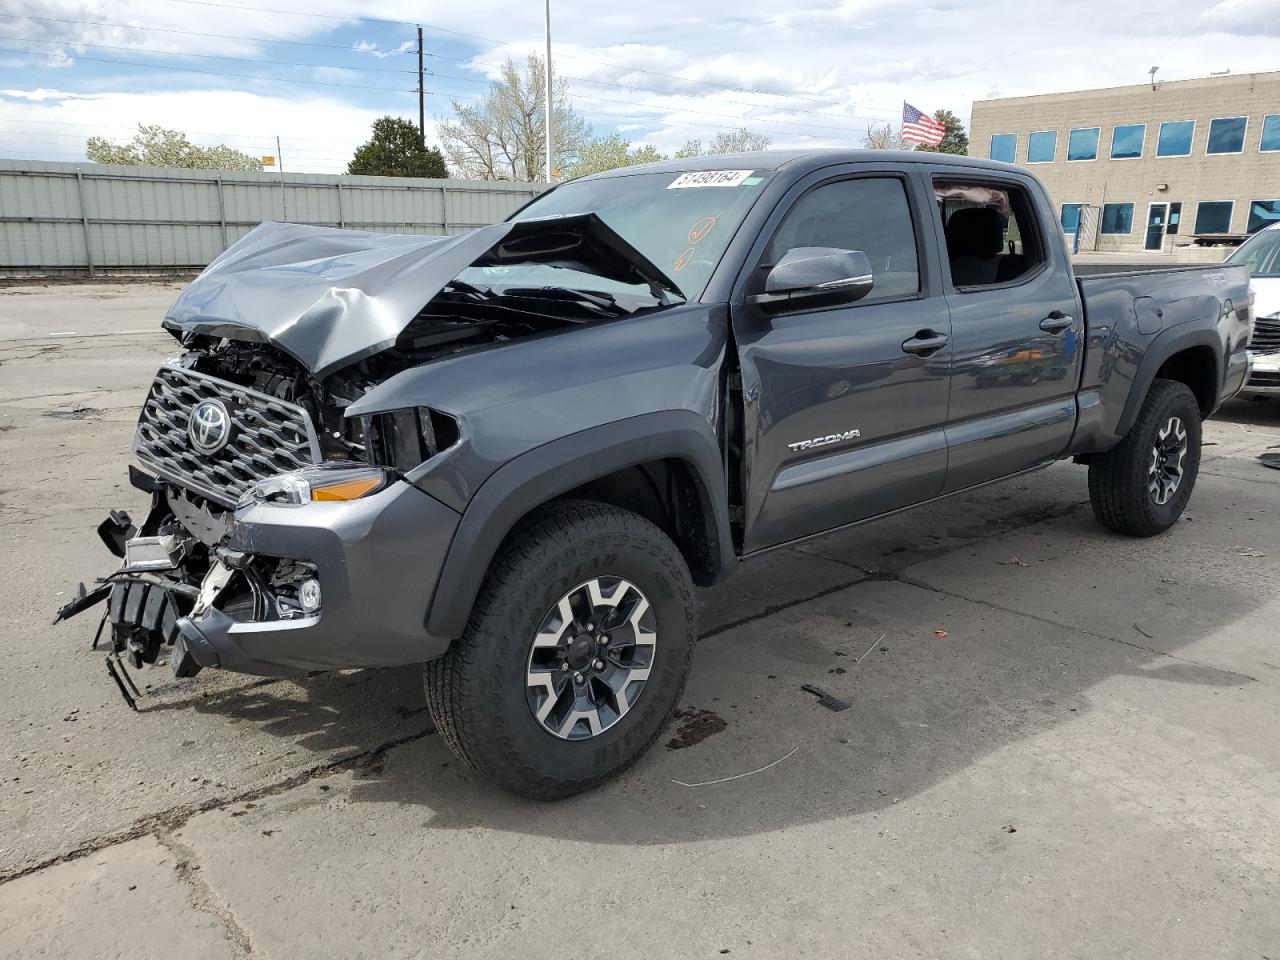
<point>811,276</point>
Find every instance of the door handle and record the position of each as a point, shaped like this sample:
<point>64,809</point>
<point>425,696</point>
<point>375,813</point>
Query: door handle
<point>924,342</point>
<point>1056,322</point>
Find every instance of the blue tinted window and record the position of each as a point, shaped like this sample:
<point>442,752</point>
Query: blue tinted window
<point>1214,216</point>
<point>1126,141</point>
<point>1083,144</point>
<point>1004,146</point>
<point>1070,217</point>
<point>1263,213</point>
<point>1175,138</point>
<point>1271,132</point>
<point>1226,135</point>
<point>1117,217</point>
<point>1042,146</point>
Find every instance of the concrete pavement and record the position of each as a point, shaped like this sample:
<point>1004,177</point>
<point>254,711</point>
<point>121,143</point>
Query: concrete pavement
<point>1060,742</point>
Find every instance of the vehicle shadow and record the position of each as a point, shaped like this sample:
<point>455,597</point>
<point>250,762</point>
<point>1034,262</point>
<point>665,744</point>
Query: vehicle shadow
<point>923,707</point>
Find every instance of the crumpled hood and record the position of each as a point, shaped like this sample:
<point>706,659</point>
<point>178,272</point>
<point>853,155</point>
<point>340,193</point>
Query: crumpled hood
<point>331,297</point>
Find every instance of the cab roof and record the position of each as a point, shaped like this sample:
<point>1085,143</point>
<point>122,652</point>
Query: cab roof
<point>807,159</point>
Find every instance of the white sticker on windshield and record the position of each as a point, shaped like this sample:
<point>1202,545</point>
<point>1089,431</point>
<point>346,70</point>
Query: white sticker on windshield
<point>710,178</point>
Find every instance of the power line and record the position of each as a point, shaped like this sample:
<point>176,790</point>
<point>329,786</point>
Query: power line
<point>474,36</point>
<point>632,104</point>
<point>293,63</point>
<point>652,107</point>
<point>654,90</point>
<point>191,33</point>
<point>118,126</point>
<point>218,73</point>
<point>203,56</point>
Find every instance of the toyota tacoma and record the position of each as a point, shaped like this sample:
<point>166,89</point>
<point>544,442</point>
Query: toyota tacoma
<point>511,455</point>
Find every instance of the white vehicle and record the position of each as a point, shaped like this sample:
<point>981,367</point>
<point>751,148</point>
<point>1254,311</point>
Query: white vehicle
<point>1261,254</point>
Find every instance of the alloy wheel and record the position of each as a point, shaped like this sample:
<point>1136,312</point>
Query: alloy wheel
<point>590,658</point>
<point>1164,475</point>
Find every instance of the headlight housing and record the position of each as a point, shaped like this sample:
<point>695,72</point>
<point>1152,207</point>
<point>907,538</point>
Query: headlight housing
<point>322,483</point>
<point>404,438</point>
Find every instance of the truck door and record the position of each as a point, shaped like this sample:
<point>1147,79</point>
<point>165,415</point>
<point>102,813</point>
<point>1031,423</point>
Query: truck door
<point>844,406</point>
<point>1016,322</point>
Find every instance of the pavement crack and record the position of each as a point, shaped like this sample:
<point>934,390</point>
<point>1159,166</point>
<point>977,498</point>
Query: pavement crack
<point>777,608</point>
<point>175,817</point>
<point>201,894</point>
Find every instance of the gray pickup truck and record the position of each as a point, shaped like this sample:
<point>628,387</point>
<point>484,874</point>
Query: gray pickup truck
<point>512,454</point>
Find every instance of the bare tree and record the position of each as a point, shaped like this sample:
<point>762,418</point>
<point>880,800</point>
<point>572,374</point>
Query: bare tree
<point>501,137</point>
<point>883,138</point>
<point>741,140</point>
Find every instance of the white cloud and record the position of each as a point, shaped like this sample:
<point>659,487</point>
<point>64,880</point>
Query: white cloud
<point>820,71</point>
<point>1244,17</point>
<point>368,46</point>
<point>318,133</point>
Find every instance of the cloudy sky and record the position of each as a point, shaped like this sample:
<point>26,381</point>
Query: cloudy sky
<point>316,74</point>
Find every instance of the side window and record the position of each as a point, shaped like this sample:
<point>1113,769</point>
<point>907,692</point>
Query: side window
<point>991,231</point>
<point>870,215</point>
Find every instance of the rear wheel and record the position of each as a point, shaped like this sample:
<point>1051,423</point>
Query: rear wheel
<point>1141,487</point>
<point>575,655</point>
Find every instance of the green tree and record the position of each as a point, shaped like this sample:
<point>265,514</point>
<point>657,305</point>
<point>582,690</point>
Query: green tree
<point>611,152</point>
<point>396,150</point>
<point>503,135</point>
<point>742,140</point>
<point>955,140</point>
<point>157,146</point>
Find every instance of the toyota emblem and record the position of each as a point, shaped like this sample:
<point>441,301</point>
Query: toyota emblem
<point>209,428</point>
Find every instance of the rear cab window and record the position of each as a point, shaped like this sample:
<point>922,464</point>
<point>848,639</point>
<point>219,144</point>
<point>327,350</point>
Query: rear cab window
<point>992,234</point>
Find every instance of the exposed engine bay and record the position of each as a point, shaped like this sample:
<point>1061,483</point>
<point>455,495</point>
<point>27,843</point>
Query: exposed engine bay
<point>253,410</point>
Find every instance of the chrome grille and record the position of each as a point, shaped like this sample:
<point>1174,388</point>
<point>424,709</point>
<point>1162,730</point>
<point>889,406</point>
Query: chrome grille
<point>1266,334</point>
<point>268,435</point>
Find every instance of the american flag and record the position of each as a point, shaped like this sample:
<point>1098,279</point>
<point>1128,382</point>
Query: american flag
<point>920,128</point>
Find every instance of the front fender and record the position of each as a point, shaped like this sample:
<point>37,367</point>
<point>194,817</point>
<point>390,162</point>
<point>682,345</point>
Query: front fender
<point>559,466</point>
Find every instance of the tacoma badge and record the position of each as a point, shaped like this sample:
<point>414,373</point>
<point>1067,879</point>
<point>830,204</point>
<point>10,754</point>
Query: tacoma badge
<point>823,441</point>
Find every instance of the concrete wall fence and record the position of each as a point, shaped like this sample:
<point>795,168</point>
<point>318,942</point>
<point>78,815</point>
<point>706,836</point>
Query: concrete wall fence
<point>91,218</point>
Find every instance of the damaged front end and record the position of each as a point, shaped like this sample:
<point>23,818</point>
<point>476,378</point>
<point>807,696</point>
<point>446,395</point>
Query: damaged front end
<point>282,536</point>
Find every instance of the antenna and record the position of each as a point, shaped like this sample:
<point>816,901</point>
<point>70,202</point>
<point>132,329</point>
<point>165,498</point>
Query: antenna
<point>1152,74</point>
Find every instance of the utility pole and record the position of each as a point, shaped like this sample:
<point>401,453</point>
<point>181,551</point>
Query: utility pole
<point>549,108</point>
<point>422,121</point>
<point>284,200</point>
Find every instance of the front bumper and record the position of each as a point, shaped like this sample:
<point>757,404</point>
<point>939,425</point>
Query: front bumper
<point>1264,376</point>
<point>377,560</point>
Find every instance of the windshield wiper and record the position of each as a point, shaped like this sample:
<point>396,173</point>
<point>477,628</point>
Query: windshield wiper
<point>461,286</point>
<point>605,302</point>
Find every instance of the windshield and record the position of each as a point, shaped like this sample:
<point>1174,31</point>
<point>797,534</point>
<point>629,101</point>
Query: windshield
<point>682,222</point>
<point>1260,253</point>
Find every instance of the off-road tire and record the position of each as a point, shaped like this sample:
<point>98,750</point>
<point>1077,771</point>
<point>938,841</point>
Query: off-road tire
<point>476,692</point>
<point>1118,479</point>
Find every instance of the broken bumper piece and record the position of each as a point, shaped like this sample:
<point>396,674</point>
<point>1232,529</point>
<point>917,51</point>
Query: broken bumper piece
<point>284,589</point>
<point>372,564</point>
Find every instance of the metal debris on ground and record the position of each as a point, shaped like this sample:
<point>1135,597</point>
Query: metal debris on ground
<point>1012,562</point>
<point>738,776</point>
<point>940,634</point>
<point>834,704</point>
<point>869,649</point>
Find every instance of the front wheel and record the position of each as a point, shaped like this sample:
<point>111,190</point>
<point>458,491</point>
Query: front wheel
<point>575,655</point>
<point>1141,487</point>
